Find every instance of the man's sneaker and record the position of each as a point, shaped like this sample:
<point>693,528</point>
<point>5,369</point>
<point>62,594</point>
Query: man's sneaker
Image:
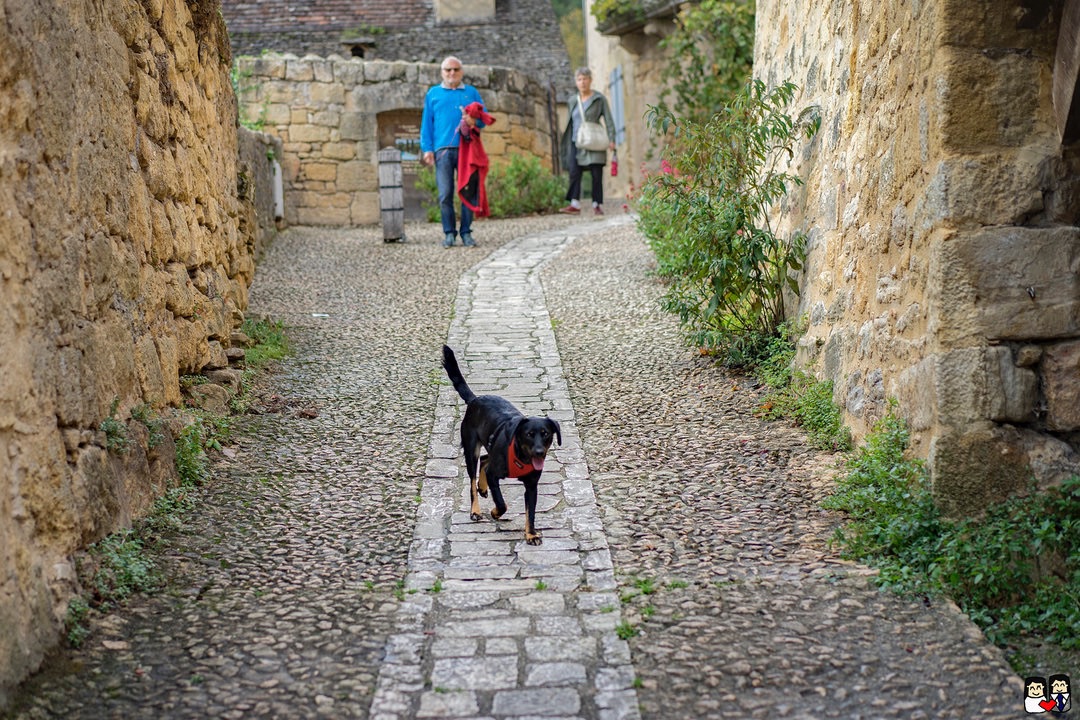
<point>570,210</point>
<point>449,241</point>
<point>467,241</point>
<point>597,210</point>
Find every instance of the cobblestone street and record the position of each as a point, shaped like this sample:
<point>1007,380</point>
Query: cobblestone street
<point>331,570</point>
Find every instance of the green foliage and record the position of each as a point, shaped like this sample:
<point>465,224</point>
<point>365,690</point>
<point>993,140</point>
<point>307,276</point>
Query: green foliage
<point>116,439</point>
<point>191,462</point>
<point>271,342</point>
<point>78,611</point>
<point>713,51</point>
<point>519,186</point>
<point>243,86</point>
<point>154,424</point>
<point>1014,571</point>
<point>122,568</point>
<point>708,220</point>
<point>796,395</point>
<point>625,630</point>
<point>616,11</point>
<point>572,29</point>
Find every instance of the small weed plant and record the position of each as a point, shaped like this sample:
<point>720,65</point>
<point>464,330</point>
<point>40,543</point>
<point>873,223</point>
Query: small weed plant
<point>796,395</point>
<point>1015,571</point>
<point>708,220</point>
<point>116,438</point>
<point>122,569</point>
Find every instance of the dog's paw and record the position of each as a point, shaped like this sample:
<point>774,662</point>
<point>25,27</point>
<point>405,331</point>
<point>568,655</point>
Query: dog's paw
<point>476,517</point>
<point>497,513</point>
<point>534,539</point>
<point>482,491</point>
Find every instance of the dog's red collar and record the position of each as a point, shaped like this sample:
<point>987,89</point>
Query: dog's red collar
<point>514,467</point>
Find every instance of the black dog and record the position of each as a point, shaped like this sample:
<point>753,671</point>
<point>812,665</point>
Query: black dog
<point>516,446</point>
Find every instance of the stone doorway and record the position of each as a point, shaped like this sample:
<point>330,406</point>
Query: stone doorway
<point>401,129</point>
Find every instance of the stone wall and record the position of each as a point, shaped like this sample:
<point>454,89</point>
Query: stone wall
<point>941,209</point>
<point>124,263</point>
<point>259,172</point>
<point>326,112</point>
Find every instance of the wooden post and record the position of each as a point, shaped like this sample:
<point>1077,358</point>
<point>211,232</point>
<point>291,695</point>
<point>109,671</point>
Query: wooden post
<point>391,195</point>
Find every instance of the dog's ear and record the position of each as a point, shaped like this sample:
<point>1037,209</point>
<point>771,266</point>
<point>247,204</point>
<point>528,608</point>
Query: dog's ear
<point>554,424</point>
<point>511,432</point>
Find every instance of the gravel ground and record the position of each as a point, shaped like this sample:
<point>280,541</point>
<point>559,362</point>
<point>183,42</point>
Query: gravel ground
<point>283,582</point>
<point>714,513</point>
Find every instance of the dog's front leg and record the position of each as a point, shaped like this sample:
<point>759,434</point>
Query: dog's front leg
<point>532,537</point>
<point>496,495</point>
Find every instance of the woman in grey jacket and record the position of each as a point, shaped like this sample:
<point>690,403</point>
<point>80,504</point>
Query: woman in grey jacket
<point>578,159</point>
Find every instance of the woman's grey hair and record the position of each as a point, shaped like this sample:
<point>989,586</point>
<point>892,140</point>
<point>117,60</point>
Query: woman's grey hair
<point>583,71</point>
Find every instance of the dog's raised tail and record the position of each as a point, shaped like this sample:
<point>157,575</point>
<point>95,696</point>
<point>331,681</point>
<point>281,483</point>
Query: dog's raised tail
<point>449,363</point>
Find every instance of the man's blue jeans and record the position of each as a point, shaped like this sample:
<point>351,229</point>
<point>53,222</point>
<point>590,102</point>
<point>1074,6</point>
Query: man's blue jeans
<point>445,173</point>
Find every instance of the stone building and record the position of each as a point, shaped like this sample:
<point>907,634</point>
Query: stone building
<point>519,34</point>
<point>942,198</point>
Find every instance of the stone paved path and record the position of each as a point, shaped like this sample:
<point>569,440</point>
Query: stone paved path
<point>670,512</point>
<point>514,630</point>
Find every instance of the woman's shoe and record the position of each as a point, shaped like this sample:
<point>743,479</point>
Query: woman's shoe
<point>570,210</point>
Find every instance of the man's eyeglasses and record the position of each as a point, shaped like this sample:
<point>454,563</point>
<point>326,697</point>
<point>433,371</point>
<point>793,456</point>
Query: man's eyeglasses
<point>451,69</point>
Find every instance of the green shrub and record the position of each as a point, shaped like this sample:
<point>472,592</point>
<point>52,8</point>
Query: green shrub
<point>1014,571</point>
<point>707,220</point>
<point>271,342</point>
<point>519,186</point>
<point>78,611</point>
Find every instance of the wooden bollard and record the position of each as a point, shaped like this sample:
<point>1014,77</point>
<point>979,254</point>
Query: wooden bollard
<point>391,195</point>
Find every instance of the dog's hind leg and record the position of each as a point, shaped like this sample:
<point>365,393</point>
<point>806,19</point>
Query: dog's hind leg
<point>481,478</point>
<point>472,465</point>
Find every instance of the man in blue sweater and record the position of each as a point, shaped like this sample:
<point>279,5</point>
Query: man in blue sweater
<point>444,111</point>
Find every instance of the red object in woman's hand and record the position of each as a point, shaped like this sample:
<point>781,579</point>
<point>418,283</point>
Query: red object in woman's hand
<point>614,164</point>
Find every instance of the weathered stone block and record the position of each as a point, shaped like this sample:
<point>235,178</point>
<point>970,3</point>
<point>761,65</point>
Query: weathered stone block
<point>356,175</point>
<point>148,369</point>
<point>339,150</point>
<point>981,465</point>
<point>308,134</point>
<point>299,71</point>
<point>1061,382</point>
<point>365,209</point>
<point>1006,283</point>
<point>320,171</point>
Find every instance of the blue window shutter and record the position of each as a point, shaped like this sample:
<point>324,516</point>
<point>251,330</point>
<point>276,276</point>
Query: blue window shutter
<point>616,91</point>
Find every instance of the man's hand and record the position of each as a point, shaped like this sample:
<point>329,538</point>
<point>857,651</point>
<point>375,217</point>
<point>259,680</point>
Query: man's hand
<point>468,119</point>
<point>428,158</point>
